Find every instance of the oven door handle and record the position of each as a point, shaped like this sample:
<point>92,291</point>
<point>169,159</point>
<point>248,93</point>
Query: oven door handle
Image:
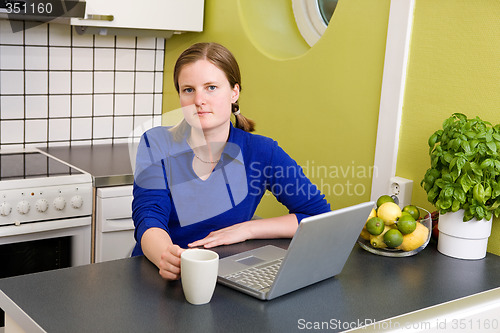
<point>118,224</point>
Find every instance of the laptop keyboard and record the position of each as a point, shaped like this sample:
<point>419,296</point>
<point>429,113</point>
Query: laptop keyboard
<point>259,278</point>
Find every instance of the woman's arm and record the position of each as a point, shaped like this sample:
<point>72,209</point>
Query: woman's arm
<point>159,249</point>
<point>275,227</point>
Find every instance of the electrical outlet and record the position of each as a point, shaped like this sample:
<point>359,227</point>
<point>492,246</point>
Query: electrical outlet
<point>401,188</point>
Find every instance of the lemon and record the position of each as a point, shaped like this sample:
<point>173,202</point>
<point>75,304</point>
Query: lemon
<point>393,238</point>
<point>416,239</point>
<point>375,226</point>
<point>365,234</point>
<point>406,224</point>
<point>413,211</point>
<point>389,212</point>
<point>373,213</point>
<point>383,199</point>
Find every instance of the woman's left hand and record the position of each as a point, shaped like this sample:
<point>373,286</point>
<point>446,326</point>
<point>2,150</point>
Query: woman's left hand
<point>233,234</point>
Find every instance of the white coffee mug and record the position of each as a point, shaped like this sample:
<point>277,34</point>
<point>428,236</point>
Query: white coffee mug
<point>199,268</point>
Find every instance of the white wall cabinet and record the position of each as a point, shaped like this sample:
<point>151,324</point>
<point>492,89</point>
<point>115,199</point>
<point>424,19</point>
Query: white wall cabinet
<point>161,15</point>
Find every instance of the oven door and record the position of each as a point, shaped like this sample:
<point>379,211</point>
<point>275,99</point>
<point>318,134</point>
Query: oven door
<point>41,246</point>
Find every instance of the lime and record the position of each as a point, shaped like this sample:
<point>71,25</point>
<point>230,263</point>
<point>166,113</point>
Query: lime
<point>413,211</point>
<point>393,238</point>
<point>416,239</point>
<point>389,212</point>
<point>384,198</point>
<point>375,226</point>
<point>406,224</point>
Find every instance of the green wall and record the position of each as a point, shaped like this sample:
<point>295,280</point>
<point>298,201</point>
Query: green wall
<point>321,103</point>
<point>453,67</point>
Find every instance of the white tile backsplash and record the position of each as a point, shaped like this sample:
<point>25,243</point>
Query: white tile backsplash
<point>81,83</point>
<point>144,82</point>
<point>124,104</point>
<point>59,35</point>
<point>127,42</point>
<point>103,127</point>
<point>123,126</point>
<point>12,107</point>
<point>36,130</point>
<point>81,128</point>
<point>124,82</point>
<point>12,131</point>
<point>61,88</point>
<point>81,106</point>
<point>103,105</point>
<point>37,106</point>
<point>144,104</point>
<point>11,57</point>
<point>146,43</point>
<point>125,59</point>
<point>104,82</point>
<point>82,40</point>
<point>36,58</point>
<point>145,60</point>
<point>82,59</point>
<point>160,59</point>
<point>36,82</point>
<point>36,33</point>
<point>158,82</point>
<point>60,82</point>
<point>59,106</point>
<point>11,82</point>
<point>104,59</point>
<point>59,129</point>
<point>59,58</point>
<point>7,36</point>
<point>104,41</point>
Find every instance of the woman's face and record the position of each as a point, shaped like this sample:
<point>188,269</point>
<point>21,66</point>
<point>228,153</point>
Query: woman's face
<point>206,95</point>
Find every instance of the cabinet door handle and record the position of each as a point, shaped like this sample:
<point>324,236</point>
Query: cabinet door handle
<point>99,17</point>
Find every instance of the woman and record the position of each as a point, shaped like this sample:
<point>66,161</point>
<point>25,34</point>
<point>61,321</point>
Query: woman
<point>198,184</point>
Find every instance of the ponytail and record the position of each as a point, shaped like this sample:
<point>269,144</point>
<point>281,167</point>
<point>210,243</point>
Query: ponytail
<point>242,122</point>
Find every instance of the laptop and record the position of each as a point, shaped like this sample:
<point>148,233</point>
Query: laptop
<point>318,250</point>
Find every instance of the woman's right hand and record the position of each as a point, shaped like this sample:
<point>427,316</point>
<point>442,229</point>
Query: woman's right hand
<point>170,262</point>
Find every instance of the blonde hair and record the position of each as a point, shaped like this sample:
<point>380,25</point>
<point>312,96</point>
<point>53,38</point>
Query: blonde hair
<point>226,62</point>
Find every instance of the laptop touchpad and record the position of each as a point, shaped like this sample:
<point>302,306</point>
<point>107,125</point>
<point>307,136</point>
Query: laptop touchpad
<point>250,261</point>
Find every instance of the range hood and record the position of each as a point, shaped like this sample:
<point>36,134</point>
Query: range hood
<point>41,10</point>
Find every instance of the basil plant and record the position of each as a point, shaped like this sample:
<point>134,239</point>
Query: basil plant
<point>465,168</point>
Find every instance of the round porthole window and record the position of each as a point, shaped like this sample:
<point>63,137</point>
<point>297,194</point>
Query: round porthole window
<point>312,17</point>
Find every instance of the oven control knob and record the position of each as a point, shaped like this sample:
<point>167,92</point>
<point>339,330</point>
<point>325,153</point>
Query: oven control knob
<point>59,203</point>
<point>77,202</point>
<point>23,207</point>
<point>41,205</point>
<point>5,208</point>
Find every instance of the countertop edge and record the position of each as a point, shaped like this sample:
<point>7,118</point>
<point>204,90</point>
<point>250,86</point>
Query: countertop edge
<point>18,316</point>
<point>457,314</point>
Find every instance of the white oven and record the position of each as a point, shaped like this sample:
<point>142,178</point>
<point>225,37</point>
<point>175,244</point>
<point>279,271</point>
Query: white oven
<point>45,213</point>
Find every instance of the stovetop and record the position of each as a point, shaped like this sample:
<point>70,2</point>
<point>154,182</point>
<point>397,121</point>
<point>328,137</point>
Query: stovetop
<point>36,187</point>
<point>27,165</point>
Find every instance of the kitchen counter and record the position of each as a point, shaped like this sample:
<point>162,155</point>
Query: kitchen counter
<point>109,165</point>
<point>127,295</point>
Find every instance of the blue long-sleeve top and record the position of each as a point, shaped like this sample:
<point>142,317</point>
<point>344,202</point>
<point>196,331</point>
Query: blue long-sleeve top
<point>169,195</point>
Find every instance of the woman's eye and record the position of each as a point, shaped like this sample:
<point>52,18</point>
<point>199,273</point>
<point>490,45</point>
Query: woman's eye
<point>188,90</point>
<point>212,88</point>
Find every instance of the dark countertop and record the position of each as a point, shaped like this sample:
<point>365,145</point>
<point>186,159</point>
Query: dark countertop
<point>109,165</point>
<point>128,295</point>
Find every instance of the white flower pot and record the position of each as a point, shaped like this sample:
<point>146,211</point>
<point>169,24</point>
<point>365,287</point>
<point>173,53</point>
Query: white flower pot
<point>463,240</point>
